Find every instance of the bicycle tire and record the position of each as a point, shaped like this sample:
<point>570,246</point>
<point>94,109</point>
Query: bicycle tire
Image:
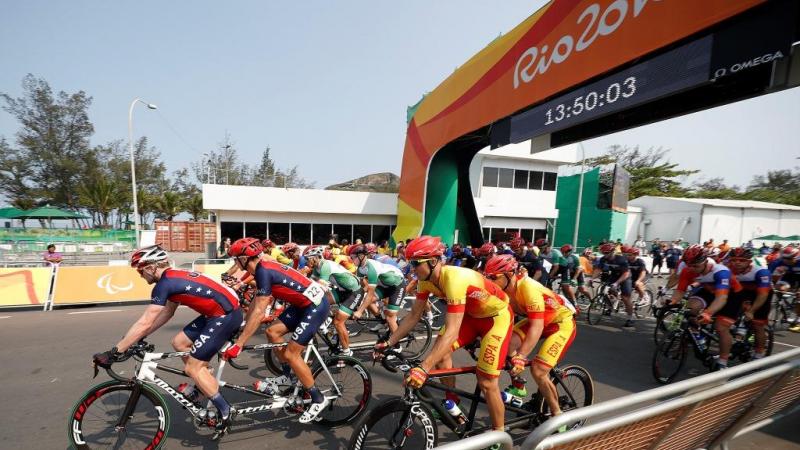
<point>422,336</point>
<point>675,348</point>
<point>594,313</point>
<point>159,416</point>
<point>567,399</point>
<point>336,414</point>
<point>387,418</point>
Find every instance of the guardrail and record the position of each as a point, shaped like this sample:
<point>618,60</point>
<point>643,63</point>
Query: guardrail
<point>481,441</point>
<point>703,412</point>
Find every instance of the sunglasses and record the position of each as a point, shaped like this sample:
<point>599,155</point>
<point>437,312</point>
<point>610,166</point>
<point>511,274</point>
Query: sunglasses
<point>416,262</point>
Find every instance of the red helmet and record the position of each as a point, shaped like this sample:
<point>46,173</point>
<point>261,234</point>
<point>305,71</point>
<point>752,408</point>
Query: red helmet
<point>485,249</point>
<point>498,264</point>
<point>790,252</point>
<point>371,248</point>
<point>566,248</point>
<point>542,243</point>
<point>695,254</point>
<point>357,249</point>
<point>607,248</point>
<point>266,243</point>
<point>148,255</point>
<point>741,253</point>
<point>424,247</point>
<point>517,243</point>
<point>246,247</point>
<point>289,247</point>
<point>628,250</point>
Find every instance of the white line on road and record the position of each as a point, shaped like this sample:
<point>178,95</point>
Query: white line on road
<point>5,317</point>
<point>96,312</point>
<point>788,345</point>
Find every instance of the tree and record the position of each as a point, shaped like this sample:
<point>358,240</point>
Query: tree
<point>53,139</point>
<point>194,206</point>
<point>651,173</point>
<point>168,205</point>
<point>101,196</point>
<point>777,186</point>
<point>715,188</point>
<point>15,173</point>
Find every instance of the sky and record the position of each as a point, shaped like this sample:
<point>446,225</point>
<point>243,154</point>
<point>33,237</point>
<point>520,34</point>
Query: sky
<point>324,84</point>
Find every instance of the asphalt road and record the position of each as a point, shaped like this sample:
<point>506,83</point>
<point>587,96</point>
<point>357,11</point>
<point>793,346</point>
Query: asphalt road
<point>46,367</point>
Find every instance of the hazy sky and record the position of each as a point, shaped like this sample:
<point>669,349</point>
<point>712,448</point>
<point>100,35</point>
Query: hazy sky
<point>325,84</point>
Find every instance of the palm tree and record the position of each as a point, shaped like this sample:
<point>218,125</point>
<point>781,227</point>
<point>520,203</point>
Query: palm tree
<point>169,205</point>
<point>101,196</point>
<point>194,206</point>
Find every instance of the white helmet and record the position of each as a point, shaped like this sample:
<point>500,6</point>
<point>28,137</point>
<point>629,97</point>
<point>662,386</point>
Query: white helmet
<point>314,250</point>
<point>148,255</point>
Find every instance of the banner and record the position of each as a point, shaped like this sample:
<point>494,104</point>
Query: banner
<point>99,284</point>
<point>212,271</point>
<point>24,286</point>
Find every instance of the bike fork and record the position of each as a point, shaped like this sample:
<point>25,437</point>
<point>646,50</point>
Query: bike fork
<point>129,407</point>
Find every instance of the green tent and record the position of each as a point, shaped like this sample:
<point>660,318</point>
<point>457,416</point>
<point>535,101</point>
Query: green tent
<point>769,237</point>
<point>9,212</point>
<point>46,212</point>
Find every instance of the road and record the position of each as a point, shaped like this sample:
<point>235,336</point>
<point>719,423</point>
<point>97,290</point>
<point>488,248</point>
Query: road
<point>46,368</point>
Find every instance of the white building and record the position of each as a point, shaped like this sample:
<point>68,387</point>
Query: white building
<point>699,219</point>
<point>513,191</point>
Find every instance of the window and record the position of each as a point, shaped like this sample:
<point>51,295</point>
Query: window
<point>363,232</point>
<point>343,231</point>
<point>506,178</point>
<point>490,176</point>
<point>527,234</point>
<point>301,233</point>
<point>486,234</point>
<point>380,233</point>
<point>255,229</point>
<point>279,232</point>
<point>536,181</point>
<point>550,181</point>
<point>231,230</point>
<point>520,179</point>
<point>539,234</point>
<point>322,233</point>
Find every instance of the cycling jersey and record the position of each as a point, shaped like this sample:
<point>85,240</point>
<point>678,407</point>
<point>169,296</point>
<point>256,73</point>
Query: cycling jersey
<point>756,281</point>
<point>786,272</point>
<point>717,280</point>
<point>466,291</point>
<point>195,290</point>
<point>538,302</point>
<point>286,284</point>
<point>568,266</point>
<point>278,255</point>
<point>379,274</point>
<point>385,259</point>
<point>299,263</point>
<point>613,267</point>
<point>529,261</point>
<point>344,261</point>
<point>336,275</point>
<point>637,267</point>
<point>553,257</point>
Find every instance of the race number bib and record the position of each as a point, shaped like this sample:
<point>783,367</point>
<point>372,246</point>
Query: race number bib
<point>315,292</point>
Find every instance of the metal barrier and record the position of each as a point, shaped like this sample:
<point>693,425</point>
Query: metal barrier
<point>703,412</point>
<point>481,441</point>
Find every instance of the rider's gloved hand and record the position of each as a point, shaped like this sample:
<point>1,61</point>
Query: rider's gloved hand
<point>106,358</point>
<point>416,377</point>
<point>232,352</point>
<point>518,361</point>
<point>378,349</point>
<point>704,317</point>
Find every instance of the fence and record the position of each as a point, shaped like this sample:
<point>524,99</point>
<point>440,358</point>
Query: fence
<point>703,412</point>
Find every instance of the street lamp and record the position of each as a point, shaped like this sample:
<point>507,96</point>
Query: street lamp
<point>580,198</point>
<point>133,166</point>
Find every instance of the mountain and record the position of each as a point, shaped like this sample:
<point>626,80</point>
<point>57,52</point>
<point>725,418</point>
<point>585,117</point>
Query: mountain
<point>376,182</point>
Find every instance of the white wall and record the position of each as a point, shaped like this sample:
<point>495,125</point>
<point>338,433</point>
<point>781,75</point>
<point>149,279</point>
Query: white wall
<point>263,216</point>
<point>666,217</point>
<point>634,219</point>
<point>790,223</point>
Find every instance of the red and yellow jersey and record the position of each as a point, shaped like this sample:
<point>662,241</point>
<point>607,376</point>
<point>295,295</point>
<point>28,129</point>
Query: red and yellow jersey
<point>537,302</point>
<point>280,257</point>
<point>344,261</point>
<point>466,291</point>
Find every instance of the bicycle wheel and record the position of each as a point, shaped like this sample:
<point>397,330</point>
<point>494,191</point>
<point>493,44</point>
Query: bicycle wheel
<point>670,357</point>
<point>354,384</point>
<point>94,418</point>
<point>667,321</point>
<point>582,301</point>
<point>575,390</point>
<point>396,424</point>
<point>416,343</point>
<point>272,362</point>
<point>594,314</point>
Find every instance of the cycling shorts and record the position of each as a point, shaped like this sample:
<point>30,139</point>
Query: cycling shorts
<point>761,315</point>
<point>729,313</point>
<point>209,334</point>
<point>303,322</point>
<point>558,337</point>
<point>348,301</point>
<point>495,334</point>
<point>566,279</point>
<point>393,294</point>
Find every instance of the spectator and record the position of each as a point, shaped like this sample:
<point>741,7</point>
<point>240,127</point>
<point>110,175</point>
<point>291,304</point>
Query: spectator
<point>764,250</point>
<point>709,244</point>
<point>724,247</point>
<point>384,248</point>
<point>775,253</point>
<point>641,245</point>
<point>658,259</point>
<point>222,251</point>
<point>749,244</point>
<point>673,256</point>
<point>51,257</point>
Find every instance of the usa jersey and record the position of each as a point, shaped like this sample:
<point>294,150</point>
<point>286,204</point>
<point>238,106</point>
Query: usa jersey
<point>756,279</point>
<point>196,291</point>
<point>282,282</point>
<point>718,280</point>
<point>787,272</point>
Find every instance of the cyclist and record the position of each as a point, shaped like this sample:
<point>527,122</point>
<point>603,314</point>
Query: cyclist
<point>552,256</point>
<point>571,271</point>
<point>756,291</point>
<point>787,269</point>
<point>476,307</point>
<point>638,270</point>
<point>616,272</point>
<point>483,253</point>
<point>712,297</point>
<point>275,252</point>
<point>546,317</point>
<point>343,286</point>
<point>380,281</point>
<point>220,317</point>
<point>308,308</point>
<point>292,251</point>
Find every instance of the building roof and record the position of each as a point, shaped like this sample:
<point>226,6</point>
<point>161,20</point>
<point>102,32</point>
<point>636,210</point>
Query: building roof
<point>567,154</point>
<point>750,204</point>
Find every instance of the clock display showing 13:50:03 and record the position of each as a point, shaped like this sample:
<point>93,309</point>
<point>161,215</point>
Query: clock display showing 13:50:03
<point>591,101</point>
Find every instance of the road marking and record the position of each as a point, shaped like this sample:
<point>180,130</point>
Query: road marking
<point>5,317</point>
<point>788,345</point>
<point>95,312</point>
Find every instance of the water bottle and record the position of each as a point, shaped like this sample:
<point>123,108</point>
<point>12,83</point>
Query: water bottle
<point>191,393</point>
<point>700,339</point>
<point>454,411</point>
<point>510,399</point>
<point>740,333</point>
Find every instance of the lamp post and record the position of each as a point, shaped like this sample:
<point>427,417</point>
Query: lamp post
<point>133,166</point>
<point>580,198</point>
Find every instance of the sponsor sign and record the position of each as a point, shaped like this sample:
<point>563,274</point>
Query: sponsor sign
<point>99,284</point>
<point>24,286</point>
